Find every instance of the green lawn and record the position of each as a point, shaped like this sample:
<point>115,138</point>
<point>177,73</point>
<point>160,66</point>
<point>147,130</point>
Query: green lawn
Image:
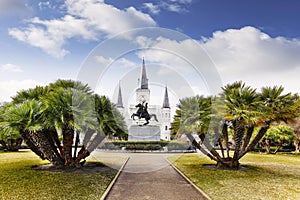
<point>268,177</point>
<point>19,181</point>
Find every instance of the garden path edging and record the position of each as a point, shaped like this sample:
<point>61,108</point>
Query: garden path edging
<point>108,189</point>
<point>188,180</point>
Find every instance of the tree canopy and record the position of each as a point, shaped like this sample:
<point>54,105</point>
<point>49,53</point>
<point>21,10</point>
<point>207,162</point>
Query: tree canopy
<point>64,109</point>
<point>239,108</point>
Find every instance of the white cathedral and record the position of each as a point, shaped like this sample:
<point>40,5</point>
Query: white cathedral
<point>162,112</point>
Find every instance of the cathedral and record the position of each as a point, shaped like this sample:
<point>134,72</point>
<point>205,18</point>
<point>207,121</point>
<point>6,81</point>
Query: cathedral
<point>162,112</point>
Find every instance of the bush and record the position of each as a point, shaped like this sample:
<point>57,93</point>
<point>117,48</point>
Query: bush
<point>178,146</point>
<point>145,145</point>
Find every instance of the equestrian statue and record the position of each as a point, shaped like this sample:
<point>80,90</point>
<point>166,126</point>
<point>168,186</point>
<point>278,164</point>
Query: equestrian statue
<point>142,112</point>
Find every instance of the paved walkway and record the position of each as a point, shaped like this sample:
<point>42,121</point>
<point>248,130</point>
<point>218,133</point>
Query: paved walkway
<point>150,176</point>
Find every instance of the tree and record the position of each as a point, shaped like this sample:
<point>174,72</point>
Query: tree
<point>239,108</point>
<point>296,128</point>
<point>62,109</point>
<point>10,139</point>
<point>278,134</point>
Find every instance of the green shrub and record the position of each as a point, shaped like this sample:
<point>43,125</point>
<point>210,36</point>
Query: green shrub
<point>145,145</point>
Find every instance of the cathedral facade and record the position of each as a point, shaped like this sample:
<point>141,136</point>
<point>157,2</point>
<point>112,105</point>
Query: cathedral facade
<point>162,112</point>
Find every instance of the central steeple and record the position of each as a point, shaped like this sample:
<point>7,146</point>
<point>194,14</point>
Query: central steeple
<point>166,103</point>
<point>144,79</point>
<point>120,101</point>
<point>143,92</point>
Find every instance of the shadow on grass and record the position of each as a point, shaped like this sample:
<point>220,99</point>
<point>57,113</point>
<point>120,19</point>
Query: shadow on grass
<point>214,167</point>
<point>89,167</point>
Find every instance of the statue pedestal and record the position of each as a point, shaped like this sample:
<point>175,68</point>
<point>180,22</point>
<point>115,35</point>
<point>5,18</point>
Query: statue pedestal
<point>144,133</point>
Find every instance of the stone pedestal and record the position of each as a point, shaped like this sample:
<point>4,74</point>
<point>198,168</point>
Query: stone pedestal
<point>144,133</point>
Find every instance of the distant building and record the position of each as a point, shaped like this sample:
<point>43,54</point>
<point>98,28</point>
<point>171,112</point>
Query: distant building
<point>163,112</point>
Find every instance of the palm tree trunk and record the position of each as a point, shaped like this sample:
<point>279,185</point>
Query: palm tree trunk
<point>239,131</point>
<point>221,147</point>
<point>267,145</point>
<point>30,143</point>
<point>279,145</point>
<point>198,146</point>
<point>10,144</point>
<point>87,137</point>
<point>95,143</point>
<point>217,136</point>
<point>249,133</point>
<point>225,135</point>
<point>3,143</point>
<point>76,144</point>
<point>211,149</point>
<point>19,143</point>
<point>13,144</point>
<point>45,144</point>
<point>55,138</point>
<point>82,154</point>
<point>257,138</point>
<point>68,136</point>
<point>296,143</point>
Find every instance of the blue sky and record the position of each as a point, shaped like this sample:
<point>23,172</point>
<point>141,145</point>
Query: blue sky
<point>250,40</point>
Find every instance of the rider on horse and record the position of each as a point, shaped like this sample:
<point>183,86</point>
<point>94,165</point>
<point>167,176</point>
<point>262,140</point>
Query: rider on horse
<point>142,109</point>
<point>142,112</point>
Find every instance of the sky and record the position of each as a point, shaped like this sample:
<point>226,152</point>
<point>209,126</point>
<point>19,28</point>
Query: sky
<point>193,46</point>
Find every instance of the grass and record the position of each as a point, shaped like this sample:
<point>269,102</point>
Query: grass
<point>19,181</point>
<point>267,177</point>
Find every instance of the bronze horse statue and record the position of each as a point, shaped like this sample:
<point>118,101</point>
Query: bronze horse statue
<point>143,113</point>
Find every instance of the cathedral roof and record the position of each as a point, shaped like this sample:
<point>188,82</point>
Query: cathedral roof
<point>144,79</point>
<point>166,103</point>
<point>120,101</point>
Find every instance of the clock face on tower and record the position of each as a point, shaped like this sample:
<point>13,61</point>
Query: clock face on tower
<point>142,98</point>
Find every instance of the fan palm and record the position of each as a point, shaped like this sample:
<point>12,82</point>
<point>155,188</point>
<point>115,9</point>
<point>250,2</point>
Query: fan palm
<point>10,138</point>
<point>241,107</point>
<point>275,107</point>
<point>245,110</point>
<point>27,118</point>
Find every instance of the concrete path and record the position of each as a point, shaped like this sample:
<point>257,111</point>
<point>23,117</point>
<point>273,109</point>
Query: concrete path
<point>150,176</point>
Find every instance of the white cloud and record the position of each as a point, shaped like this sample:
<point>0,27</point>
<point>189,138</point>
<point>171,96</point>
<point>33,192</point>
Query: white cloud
<point>119,63</point>
<point>10,68</point>
<point>45,5</point>
<point>246,54</point>
<point>178,6</point>
<point>10,88</point>
<point>87,19</point>
<point>173,7</point>
<point>182,1</point>
<point>51,35</point>
<point>154,9</point>
<point>104,61</point>
<point>250,55</point>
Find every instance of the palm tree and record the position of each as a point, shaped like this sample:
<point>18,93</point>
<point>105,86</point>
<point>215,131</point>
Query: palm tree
<point>34,93</point>
<point>68,108</point>
<point>68,105</point>
<point>296,128</point>
<point>194,116</point>
<point>241,107</point>
<point>10,139</point>
<point>26,118</point>
<point>276,107</point>
<point>245,110</point>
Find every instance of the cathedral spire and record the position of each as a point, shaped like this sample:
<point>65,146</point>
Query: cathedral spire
<point>144,79</point>
<point>166,103</point>
<point>120,101</point>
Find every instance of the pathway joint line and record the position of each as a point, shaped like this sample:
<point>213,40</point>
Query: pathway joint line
<point>112,183</point>
<point>188,180</point>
